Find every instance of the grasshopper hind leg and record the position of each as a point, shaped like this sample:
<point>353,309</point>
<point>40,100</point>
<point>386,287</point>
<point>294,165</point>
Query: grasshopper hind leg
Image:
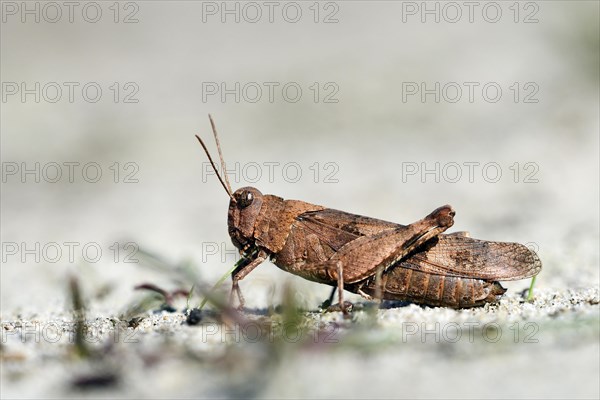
<point>343,306</point>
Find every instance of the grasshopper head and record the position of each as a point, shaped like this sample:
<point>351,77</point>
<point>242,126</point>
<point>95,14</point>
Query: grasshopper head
<point>244,208</point>
<point>244,203</point>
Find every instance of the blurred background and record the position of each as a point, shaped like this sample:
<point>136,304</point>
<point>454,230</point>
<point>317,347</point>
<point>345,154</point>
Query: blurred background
<point>387,109</point>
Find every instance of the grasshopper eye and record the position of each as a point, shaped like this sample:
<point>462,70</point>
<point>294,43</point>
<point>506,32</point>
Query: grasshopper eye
<point>245,199</point>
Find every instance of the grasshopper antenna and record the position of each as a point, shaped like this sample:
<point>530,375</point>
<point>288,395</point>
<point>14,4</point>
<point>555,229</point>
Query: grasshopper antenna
<point>215,169</point>
<point>226,187</point>
<point>214,129</point>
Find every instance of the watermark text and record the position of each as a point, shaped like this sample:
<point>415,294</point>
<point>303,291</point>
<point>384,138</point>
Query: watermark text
<point>70,92</point>
<point>69,172</point>
<point>289,172</point>
<point>270,92</point>
<point>68,252</point>
<point>53,12</point>
<point>469,171</point>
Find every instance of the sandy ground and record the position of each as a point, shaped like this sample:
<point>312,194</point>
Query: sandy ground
<point>514,348</point>
<point>371,151</point>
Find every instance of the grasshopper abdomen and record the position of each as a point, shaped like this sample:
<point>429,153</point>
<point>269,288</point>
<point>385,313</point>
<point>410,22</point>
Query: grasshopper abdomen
<point>406,284</point>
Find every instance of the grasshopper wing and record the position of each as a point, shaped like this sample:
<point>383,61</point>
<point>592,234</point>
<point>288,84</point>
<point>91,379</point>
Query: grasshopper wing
<point>472,258</point>
<point>335,229</point>
<point>364,245</point>
<point>345,223</point>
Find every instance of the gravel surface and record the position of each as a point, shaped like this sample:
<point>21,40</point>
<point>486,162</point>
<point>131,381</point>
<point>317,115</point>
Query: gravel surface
<point>513,348</point>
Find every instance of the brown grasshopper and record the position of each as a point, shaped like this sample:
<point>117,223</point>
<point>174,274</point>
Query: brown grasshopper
<point>368,256</point>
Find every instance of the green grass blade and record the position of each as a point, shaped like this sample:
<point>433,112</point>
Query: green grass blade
<point>530,294</point>
<point>219,283</point>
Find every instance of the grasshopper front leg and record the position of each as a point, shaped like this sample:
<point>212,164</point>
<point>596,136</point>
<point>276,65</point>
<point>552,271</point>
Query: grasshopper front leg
<point>363,257</point>
<point>240,273</point>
